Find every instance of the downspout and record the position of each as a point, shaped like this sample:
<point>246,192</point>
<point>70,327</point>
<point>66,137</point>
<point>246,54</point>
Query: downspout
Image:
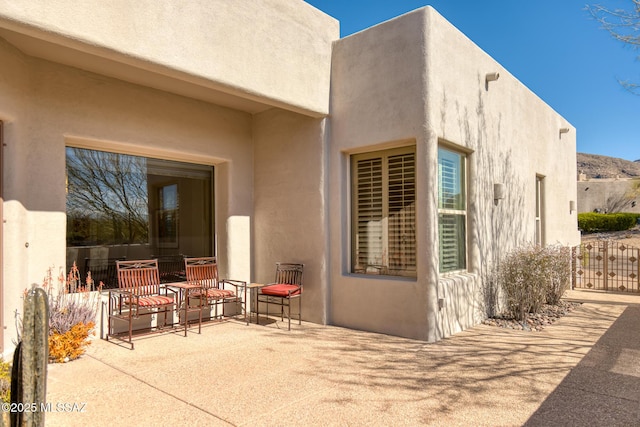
<point>326,173</point>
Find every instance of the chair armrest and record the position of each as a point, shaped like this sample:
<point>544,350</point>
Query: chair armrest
<point>120,292</point>
<point>167,289</point>
<point>235,283</point>
<point>297,289</point>
<point>116,295</point>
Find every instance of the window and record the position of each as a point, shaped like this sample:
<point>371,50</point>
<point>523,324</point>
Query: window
<point>130,207</point>
<point>452,214</point>
<point>383,213</point>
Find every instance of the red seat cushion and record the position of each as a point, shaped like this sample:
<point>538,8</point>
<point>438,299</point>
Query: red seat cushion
<point>214,293</point>
<point>152,301</point>
<point>281,290</point>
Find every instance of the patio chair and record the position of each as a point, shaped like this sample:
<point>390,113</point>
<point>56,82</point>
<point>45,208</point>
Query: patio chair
<point>286,287</point>
<point>203,272</point>
<point>138,293</point>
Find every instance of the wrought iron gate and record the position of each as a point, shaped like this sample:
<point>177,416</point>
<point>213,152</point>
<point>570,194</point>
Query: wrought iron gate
<point>606,266</point>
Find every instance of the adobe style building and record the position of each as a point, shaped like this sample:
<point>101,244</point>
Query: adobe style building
<point>608,195</point>
<point>398,164</point>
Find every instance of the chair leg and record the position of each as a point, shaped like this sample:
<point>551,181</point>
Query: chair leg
<point>299,310</point>
<point>109,318</point>
<point>200,316</point>
<point>186,314</point>
<point>131,327</point>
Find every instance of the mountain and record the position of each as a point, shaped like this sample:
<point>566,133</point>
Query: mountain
<point>596,166</point>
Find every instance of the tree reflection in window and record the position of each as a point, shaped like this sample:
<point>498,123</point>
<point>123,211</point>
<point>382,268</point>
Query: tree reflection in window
<point>107,198</point>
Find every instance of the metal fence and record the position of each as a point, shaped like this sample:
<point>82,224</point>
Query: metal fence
<point>606,266</point>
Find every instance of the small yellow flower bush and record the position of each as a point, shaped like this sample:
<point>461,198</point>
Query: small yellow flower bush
<point>71,344</point>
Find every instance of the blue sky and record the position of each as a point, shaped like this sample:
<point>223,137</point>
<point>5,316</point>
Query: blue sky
<point>554,47</point>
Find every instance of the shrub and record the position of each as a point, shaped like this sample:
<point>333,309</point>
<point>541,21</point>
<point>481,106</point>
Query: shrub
<point>71,344</point>
<point>5,382</point>
<point>72,313</point>
<point>591,222</point>
<point>532,276</point>
<point>558,266</point>
<point>521,279</point>
<point>490,292</point>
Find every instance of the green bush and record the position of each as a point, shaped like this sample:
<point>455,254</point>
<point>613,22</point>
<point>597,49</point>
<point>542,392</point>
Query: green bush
<point>532,276</point>
<point>5,381</point>
<point>590,222</point>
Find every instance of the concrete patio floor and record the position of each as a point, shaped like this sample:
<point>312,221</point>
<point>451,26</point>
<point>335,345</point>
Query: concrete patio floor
<point>583,370</point>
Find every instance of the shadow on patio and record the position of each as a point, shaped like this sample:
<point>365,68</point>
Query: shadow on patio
<point>234,374</point>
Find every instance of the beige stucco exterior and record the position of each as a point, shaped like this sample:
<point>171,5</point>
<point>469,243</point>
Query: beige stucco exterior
<point>608,195</point>
<point>250,55</point>
<point>418,80</point>
<point>266,93</point>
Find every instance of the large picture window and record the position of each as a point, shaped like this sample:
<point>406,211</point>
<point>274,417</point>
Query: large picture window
<point>383,213</point>
<point>452,214</point>
<point>130,207</point>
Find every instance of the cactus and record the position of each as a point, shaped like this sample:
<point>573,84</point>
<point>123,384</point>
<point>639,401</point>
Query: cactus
<point>29,376</point>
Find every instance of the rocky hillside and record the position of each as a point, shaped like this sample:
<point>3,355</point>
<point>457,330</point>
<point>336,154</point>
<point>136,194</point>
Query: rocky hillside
<point>595,166</point>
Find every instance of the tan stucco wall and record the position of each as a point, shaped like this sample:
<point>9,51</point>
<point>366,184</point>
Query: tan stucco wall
<point>377,101</point>
<point>273,51</point>
<point>417,78</point>
<point>290,203</point>
<point>513,136</point>
<point>46,106</point>
<point>602,193</point>
<point>13,87</point>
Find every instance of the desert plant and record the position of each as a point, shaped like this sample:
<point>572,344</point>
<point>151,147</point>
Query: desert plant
<point>521,278</point>
<point>72,313</point>
<point>71,344</point>
<point>532,276</point>
<point>558,272</point>
<point>5,382</point>
<point>490,292</point>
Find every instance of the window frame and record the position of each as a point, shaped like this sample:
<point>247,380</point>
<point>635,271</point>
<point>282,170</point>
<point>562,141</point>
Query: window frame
<point>459,212</point>
<point>177,175</point>
<point>402,270</point>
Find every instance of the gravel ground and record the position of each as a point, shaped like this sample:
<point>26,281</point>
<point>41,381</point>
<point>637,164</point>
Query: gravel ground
<point>628,237</point>
<point>550,313</point>
<point>535,322</point>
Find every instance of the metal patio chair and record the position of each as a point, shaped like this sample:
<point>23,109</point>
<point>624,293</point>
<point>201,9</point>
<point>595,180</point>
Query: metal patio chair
<point>286,287</point>
<point>139,293</point>
<point>203,272</point>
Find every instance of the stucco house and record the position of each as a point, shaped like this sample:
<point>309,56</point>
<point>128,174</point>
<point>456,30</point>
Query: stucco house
<point>608,194</point>
<point>398,164</point>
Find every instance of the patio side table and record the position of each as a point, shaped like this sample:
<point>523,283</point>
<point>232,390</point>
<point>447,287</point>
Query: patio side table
<point>184,290</point>
<point>252,289</point>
